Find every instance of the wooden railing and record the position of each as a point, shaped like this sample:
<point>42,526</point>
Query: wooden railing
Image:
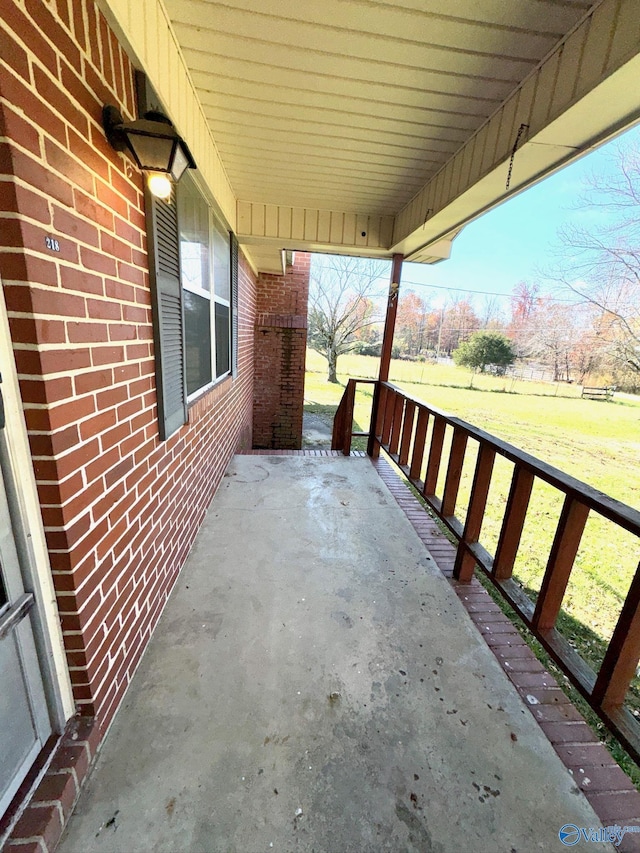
<point>343,420</point>
<point>412,433</point>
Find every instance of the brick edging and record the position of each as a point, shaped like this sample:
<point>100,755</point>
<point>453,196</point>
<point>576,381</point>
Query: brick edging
<point>308,452</point>
<point>40,827</point>
<point>606,786</point>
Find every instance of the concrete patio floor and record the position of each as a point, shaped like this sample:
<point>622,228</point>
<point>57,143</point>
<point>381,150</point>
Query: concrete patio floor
<point>316,685</point>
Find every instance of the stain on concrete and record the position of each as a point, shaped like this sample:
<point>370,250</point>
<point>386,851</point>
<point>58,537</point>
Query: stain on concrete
<point>419,835</point>
<point>342,618</point>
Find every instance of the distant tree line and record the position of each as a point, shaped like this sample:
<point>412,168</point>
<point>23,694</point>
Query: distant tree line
<point>589,331</point>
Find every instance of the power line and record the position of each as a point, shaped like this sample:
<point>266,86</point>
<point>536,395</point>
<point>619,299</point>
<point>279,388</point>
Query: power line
<point>480,292</point>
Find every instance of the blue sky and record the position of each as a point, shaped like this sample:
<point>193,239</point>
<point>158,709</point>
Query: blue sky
<point>515,240</point>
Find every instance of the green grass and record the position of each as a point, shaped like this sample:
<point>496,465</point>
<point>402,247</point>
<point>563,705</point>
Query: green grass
<point>596,442</point>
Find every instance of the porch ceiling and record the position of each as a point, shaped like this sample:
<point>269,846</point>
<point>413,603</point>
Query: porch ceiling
<point>332,119</point>
<point>354,105</point>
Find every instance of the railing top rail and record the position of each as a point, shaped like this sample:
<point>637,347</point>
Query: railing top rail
<point>609,507</point>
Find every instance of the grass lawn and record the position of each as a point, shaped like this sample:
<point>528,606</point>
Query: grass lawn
<point>597,442</point>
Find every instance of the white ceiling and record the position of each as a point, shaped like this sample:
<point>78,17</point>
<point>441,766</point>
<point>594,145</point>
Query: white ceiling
<point>353,105</point>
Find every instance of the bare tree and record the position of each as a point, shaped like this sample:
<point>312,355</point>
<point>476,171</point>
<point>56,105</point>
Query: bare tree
<point>602,264</point>
<point>491,315</point>
<point>341,294</point>
<point>459,321</point>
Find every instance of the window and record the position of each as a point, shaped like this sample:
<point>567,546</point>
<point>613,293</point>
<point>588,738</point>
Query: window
<point>205,261</point>
<point>193,266</point>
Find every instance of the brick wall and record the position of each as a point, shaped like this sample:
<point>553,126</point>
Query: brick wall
<point>120,508</point>
<point>280,350</point>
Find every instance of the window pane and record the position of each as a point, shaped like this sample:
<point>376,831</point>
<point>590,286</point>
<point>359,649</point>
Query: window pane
<point>197,332</point>
<point>222,339</point>
<point>193,221</point>
<point>221,263</point>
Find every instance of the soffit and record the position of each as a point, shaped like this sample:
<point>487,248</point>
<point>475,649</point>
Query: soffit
<point>353,105</point>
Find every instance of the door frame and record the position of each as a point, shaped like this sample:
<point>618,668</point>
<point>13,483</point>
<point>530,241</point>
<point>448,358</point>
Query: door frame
<point>28,530</point>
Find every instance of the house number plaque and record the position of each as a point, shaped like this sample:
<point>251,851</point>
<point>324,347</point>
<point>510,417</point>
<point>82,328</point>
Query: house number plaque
<point>52,243</point>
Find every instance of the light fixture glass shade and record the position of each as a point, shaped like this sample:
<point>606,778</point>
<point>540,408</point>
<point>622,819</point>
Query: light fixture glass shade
<point>153,141</point>
<point>152,153</point>
<point>180,162</point>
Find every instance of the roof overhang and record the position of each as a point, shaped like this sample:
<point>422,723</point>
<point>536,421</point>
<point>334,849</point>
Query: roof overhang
<point>373,129</point>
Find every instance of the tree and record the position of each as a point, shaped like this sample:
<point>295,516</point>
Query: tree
<point>525,301</point>
<point>491,314</point>
<point>411,322</point>
<point>483,349</point>
<point>341,294</point>
<point>602,264</point>
<point>458,323</point>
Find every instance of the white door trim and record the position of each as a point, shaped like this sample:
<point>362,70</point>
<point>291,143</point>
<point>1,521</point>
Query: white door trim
<point>25,505</point>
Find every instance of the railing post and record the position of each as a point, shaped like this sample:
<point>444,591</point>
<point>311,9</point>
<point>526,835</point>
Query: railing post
<point>373,446</point>
<point>390,319</point>
<point>347,425</point>
<point>465,561</point>
<point>338,425</point>
<point>621,658</point>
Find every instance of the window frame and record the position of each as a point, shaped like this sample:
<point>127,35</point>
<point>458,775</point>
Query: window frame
<point>214,224</point>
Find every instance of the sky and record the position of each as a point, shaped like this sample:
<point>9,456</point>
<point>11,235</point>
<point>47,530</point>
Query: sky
<point>516,240</point>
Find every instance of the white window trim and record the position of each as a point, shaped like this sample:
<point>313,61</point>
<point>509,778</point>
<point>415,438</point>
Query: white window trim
<point>30,516</point>
<point>214,224</point>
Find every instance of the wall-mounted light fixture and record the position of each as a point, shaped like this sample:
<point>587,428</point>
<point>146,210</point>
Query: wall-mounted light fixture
<point>154,144</point>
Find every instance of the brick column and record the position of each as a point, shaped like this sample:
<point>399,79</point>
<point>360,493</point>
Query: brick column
<point>280,348</point>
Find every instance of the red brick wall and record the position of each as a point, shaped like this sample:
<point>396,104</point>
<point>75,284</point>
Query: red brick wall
<point>280,350</point>
<point>120,508</point>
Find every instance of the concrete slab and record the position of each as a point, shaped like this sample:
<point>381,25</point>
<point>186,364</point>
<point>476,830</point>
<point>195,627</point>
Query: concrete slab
<point>315,685</point>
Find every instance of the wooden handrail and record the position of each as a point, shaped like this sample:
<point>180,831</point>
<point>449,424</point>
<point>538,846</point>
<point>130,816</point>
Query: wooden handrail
<point>343,418</point>
<point>400,426</point>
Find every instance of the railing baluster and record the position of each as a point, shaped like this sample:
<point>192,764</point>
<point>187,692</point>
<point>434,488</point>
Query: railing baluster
<point>513,523</point>
<point>621,658</point>
<point>465,561</point>
<point>407,431</point>
<point>454,472</point>
<point>338,426</point>
<point>347,425</point>
<point>396,427</point>
<point>435,455</point>
<point>417,452</point>
<point>375,425</point>
<point>384,393</point>
<point>387,422</point>
<point>561,559</point>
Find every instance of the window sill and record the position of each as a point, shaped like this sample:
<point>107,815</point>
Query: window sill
<point>220,387</point>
